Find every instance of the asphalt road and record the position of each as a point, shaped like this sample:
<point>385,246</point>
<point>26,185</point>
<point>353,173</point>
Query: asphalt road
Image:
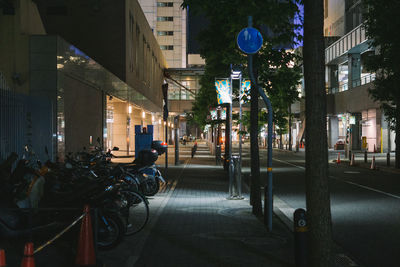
<point>365,205</point>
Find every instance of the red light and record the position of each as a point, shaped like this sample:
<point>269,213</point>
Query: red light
<point>164,144</point>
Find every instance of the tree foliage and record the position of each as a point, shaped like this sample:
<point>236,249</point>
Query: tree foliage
<point>218,47</point>
<point>382,22</point>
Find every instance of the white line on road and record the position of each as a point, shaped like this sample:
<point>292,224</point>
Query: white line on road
<point>291,164</point>
<point>344,181</point>
<point>366,187</point>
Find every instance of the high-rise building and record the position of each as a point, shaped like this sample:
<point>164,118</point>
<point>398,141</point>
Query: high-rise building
<point>168,23</point>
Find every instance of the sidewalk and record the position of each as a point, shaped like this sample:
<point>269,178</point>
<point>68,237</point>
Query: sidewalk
<point>193,224</point>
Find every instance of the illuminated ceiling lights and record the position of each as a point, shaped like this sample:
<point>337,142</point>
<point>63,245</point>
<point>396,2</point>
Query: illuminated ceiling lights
<point>143,114</point>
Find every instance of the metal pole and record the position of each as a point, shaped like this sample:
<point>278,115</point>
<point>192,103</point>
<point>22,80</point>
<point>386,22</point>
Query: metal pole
<point>268,204</point>
<point>229,144</point>
<point>176,122</point>
<point>240,119</point>
<point>166,141</point>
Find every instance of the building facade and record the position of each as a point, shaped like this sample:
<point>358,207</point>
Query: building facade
<point>78,85</point>
<point>353,117</point>
<point>168,22</point>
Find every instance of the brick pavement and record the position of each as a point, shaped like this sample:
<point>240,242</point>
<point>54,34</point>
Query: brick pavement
<point>195,225</point>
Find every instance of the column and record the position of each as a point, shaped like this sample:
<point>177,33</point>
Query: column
<point>354,65</point>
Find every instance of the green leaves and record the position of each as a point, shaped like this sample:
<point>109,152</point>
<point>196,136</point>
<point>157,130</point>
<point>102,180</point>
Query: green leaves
<point>382,23</point>
<point>218,46</point>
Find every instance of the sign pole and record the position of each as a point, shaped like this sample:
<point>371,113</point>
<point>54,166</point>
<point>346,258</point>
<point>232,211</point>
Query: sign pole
<point>250,41</point>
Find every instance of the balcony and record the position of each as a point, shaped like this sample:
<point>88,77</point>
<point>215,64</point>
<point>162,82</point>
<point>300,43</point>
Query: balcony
<point>355,83</point>
<point>349,42</point>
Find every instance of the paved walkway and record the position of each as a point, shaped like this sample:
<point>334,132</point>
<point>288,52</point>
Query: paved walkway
<point>193,224</point>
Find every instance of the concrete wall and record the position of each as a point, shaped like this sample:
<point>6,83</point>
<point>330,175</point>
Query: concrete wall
<point>83,114</point>
<point>354,100</point>
<point>14,45</point>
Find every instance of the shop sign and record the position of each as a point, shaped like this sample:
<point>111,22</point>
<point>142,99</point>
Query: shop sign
<point>245,91</point>
<point>223,87</point>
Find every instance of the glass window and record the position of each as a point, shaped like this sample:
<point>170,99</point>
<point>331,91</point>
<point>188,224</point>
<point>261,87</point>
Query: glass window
<point>165,4</point>
<point>165,18</point>
<point>167,47</point>
<point>163,33</point>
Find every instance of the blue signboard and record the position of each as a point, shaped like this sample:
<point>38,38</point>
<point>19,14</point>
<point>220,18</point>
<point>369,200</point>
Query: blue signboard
<point>249,40</point>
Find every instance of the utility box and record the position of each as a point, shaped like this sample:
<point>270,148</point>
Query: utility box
<point>143,138</point>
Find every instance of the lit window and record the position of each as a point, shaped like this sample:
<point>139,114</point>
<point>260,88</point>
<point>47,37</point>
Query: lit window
<point>165,18</point>
<point>165,4</point>
<point>167,47</point>
<point>163,33</point>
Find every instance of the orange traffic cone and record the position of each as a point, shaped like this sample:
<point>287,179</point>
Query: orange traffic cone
<point>352,161</point>
<point>338,158</point>
<point>373,166</point>
<point>85,255</point>
<point>2,258</point>
<point>28,260</point>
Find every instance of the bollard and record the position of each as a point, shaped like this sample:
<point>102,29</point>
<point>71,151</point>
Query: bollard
<point>300,237</point>
<point>388,159</point>
<point>365,156</point>
<point>231,170</point>
<point>349,154</point>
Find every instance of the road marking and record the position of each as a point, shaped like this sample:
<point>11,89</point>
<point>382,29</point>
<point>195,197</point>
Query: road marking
<point>344,181</point>
<point>288,163</point>
<point>351,172</point>
<point>366,187</point>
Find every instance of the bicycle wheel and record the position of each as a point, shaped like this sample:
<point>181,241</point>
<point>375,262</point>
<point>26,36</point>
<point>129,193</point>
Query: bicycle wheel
<point>136,213</point>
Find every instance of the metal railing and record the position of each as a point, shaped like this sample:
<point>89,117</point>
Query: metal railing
<point>344,44</point>
<point>355,83</point>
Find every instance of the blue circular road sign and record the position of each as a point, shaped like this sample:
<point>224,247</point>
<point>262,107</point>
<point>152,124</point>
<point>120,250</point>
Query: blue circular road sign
<point>249,40</point>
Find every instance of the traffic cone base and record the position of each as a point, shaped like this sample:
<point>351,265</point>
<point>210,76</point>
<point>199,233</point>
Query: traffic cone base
<point>28,260</point>
<point>85,255</point>
<point>2,258</point>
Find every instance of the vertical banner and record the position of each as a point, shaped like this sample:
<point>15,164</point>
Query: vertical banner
<point>223,87</point>
<point>245,91</point>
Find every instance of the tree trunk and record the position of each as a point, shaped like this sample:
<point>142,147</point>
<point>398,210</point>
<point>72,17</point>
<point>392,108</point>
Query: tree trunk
<point>290,127</point>
<point>397,138</point>
<point>255,159</point>
<point>317,184</point>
